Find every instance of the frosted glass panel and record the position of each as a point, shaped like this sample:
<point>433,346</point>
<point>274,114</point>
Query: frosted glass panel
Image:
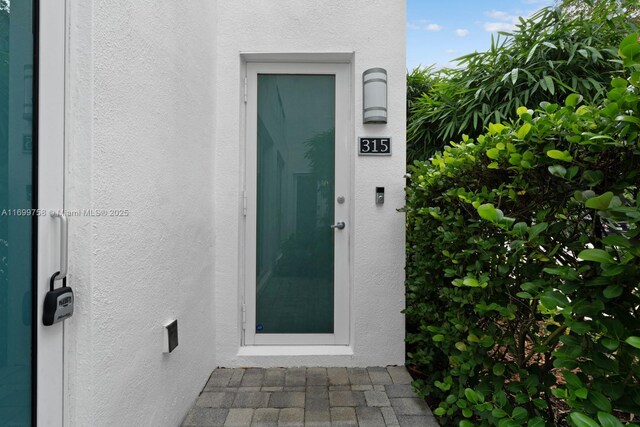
<point>294,254</point>
<point>16,159</point>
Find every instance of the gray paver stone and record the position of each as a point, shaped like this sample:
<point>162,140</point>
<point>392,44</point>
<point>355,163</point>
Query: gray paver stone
<point>346,398</point>
<point>389,416</point>
<point>294,388</point>
<point>239,417</point>
<point>236,377</point>
<point>209,417</point>
<point>358,376</point>
<point>265,417</point>
<point>252,377</point>
<point>316,404</point>
<point>361,387</point>
<point>287,399</point>
<point>369,417</point>
<point>317,392</point>
<point>410,406</point>
<point>295,377</point>
<point>339,387</point>
<point>291,417</point>
<point>252,388</point>
<point>277,388</point>
<point>376,398</point>
<point>400,390</point>
<point>251,399</point>
<point>215,399</point>
<point>316,376</point>
<point>219,378</point>
<point>274,377</point>
<point>399,374</point>
<point>338,376</point>
<point>379,375</point>
<point>342,417</point>
<point>417,421</point>
<point>317,418</point>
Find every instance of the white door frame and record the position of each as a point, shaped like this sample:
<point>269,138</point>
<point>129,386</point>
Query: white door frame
<point>51,78</point>
<point>342,210</point>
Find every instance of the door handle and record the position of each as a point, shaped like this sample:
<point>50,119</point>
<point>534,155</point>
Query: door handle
<point>64,240</point>
<point>338,225</point>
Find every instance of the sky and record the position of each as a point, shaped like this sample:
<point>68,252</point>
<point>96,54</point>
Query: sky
<point>440,30</point>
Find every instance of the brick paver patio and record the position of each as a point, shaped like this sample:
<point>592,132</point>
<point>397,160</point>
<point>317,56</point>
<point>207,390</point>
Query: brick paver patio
<point>296,397</point>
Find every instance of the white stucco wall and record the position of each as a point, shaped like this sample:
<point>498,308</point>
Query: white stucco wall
<point>374,32</point>
<point>140,120</point>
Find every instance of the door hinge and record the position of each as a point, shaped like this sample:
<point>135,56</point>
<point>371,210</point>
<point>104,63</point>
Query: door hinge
<point>244,203</point>
<point>245,89</point>
<point>244,316</point>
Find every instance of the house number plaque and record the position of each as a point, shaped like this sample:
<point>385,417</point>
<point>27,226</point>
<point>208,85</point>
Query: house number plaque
<point>368,146</point>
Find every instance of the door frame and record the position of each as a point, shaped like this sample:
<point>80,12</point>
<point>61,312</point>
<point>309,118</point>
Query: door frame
<point>50,101</point>
<point>342,291</point>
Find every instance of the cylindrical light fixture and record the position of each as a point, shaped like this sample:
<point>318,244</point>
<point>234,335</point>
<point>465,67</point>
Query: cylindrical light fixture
<point>374,84</point>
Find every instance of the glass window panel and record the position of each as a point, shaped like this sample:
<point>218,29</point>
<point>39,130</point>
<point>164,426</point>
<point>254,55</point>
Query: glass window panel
<point>295,250</point>
<point>16,188</point>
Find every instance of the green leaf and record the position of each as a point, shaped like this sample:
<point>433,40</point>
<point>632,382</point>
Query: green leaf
<point>489,212</point>
<point>465,423</point>
<point>617,240</point>
<point>618,82</point>
<point>498,369</point>
<point>521,110</point>
<point>440,411</point>
<point>596,255</point>
<point>581,420</point>
<point>470,395</point>
<point>493,153</point>
<point>573,100</point>
<point>601,202</point>
<point>519,413</point>
<point>599,401</point>
<point>560,155</point>
<point>537,229</point>
<point>438,338</point>
<point>582,393</point>
<point>557,170</point>
<point>524,130</point>
<point>633,341</point>
<point>550,86</point>
<point>514,76</point>
<point>536,422</point>
<point>610,343</point>
<point>612,291</point>
<point>608,420</point>
<point>461,346</point>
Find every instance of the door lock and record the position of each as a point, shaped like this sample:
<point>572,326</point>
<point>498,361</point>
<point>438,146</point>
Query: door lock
<point>338,225</point>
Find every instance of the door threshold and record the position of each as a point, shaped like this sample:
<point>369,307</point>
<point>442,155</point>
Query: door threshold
<point>296,350</point>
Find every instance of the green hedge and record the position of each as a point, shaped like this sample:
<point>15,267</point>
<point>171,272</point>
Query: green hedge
<point>524,264</point>
<point>551,54</point>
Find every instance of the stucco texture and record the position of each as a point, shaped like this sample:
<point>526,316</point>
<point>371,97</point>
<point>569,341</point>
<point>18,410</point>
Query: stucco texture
<point>140,120</point>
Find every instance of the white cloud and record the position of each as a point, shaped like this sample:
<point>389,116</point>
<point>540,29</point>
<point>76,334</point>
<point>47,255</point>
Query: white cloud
<point>499,26</point>
<point>433,27</point>
<point>462,32</point>
<point>451,51</point>
<point>412,26</point>
<point>500,15</point>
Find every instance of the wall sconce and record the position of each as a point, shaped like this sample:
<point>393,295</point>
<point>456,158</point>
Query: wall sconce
<point>374,85</point>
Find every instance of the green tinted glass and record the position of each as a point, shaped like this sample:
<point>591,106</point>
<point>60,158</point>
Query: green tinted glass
<point>16,160</point>
<point>294,254</point>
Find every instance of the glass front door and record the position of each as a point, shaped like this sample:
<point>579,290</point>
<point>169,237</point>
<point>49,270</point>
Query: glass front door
<point>297,194</point>
<point>16,220</point>
<point>296,189</point>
